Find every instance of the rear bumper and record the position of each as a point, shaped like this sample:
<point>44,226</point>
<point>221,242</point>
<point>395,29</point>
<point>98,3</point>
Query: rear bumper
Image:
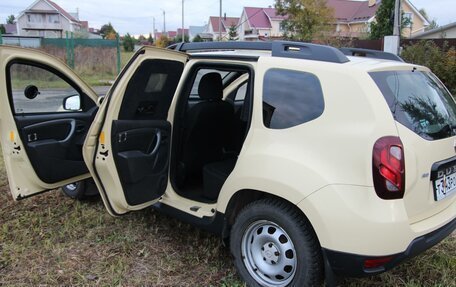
<point>352,265</point>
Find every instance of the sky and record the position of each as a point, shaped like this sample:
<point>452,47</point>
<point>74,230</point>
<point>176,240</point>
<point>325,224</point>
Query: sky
<point>136,17</point>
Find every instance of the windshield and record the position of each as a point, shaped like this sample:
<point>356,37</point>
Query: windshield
<point>419,101</point>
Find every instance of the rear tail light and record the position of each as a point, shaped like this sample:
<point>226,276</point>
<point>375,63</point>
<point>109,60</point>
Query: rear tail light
<point>388,168</point>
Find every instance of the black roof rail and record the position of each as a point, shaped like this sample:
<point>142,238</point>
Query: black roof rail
<point>217,46</point>
<point>371,54</point>
<point>283,49</point>
<point>308,51</point>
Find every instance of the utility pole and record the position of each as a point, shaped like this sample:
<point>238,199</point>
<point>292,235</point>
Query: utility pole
<point>392,44</point>
<point>154,30</point>
<point>220,22</point>
<point>164,23</point>
<point>397,18</point>
<point>183,33</point>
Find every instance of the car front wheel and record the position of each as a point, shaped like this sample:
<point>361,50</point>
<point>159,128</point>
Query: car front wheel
<point>273,244</point>
<point>75,190</point>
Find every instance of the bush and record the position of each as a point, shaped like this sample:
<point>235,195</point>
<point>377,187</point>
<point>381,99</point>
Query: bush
<point>162,42</point>
<point>128,43</point>
<point>442,61</point>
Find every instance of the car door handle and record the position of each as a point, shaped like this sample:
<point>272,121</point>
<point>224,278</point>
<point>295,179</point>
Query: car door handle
<point>158,136</point>
<point>70,133</point>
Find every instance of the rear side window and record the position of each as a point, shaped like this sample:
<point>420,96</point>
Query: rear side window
<point>418,101</point>
<point>291,98</point>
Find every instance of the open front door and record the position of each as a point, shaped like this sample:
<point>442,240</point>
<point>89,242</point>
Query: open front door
<point>45,113</point>
<point>128,146</point>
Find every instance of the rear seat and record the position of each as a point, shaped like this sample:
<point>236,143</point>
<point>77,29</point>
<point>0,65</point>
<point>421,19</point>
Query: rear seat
<point>215,175</point>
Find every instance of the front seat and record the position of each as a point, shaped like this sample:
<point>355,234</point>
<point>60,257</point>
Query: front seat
<point>208,129</point>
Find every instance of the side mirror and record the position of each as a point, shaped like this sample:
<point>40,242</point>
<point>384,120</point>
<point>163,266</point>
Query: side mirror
<point>72,103</point>
<point>31,92</point>
<point>100,100</point>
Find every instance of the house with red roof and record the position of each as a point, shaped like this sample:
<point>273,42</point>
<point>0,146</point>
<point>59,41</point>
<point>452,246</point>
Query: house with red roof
<point>258,23</point>
<point>45,18</point>
<point>353,18</point>
<point>213,26</point>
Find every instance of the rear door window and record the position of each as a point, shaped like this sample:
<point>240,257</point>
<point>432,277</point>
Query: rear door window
<point>419,101</point>
<point>291,98</point>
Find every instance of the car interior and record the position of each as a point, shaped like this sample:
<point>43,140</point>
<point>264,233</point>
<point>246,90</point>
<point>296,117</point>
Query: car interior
<point>210,127</point>
<point>211,122</point>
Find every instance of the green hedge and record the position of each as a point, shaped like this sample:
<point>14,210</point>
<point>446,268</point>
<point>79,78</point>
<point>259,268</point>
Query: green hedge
<point>62,43</point>
<point>441,60</point>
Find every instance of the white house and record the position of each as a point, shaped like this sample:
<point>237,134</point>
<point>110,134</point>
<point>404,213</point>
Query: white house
<point>45,18</point>
<point>444,32</point>
<point>256,23</point>
<point>214,29</point>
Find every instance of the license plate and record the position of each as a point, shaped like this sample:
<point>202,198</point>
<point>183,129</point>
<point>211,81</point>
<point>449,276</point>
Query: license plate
<point>444,186</point>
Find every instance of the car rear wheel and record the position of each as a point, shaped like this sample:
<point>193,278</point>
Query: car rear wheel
<point>273,244</point>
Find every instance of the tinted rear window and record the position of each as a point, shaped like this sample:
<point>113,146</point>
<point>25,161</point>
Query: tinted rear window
<point>291,98</point>
<point>419,101</point>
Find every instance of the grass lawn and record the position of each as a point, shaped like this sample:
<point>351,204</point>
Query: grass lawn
<point>52,240</point>
<point>106,79</point>
<point>125,57</point>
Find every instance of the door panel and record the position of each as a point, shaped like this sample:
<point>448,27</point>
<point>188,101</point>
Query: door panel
<point>41,141</point>
<point>128,144</point>
<point>141,153</point>
<point>54,146</point>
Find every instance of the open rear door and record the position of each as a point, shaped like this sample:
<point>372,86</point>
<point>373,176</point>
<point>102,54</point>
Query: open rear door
<point>45,113</point>
<point>128,146</point>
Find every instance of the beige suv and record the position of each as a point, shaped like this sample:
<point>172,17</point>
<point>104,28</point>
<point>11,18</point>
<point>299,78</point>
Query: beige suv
<point>312,162</point>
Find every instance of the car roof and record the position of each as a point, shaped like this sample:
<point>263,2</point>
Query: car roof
<point>356,62</point>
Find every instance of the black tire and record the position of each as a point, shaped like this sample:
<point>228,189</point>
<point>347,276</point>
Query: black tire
<point>261,239</point>
<point>75,190</point>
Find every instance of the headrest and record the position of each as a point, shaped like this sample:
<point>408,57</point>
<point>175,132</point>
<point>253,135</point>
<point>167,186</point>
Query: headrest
<point>211,87</point>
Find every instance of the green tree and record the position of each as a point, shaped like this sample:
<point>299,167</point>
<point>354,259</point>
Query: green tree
<point>11,19</point>
<point>150,39</point>
<point>128,43</point>
<point>306,19</point>
<point>432,25</point>
<point>2,29</point>
<point>232,33</point>
<point>178,38</point>
<point>197,38</point>
<point>432,22</point>
<point>384,21</point>
<point>107,31</point>
<point>441,60</point>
